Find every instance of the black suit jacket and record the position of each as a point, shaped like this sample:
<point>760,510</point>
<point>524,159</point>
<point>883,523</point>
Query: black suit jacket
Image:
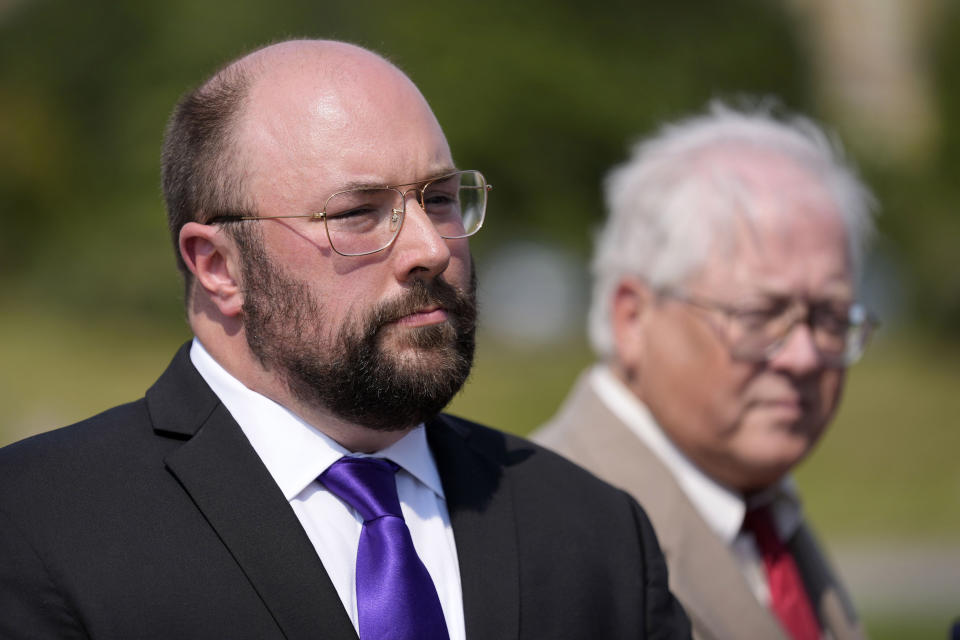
<point>157,519</point>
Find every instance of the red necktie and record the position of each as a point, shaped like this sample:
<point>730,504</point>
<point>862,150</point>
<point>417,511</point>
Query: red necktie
<point>788,595</point>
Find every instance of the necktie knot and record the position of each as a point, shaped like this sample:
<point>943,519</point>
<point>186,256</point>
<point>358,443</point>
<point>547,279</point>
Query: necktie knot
<point>759,522</point>
<point>366,484</point>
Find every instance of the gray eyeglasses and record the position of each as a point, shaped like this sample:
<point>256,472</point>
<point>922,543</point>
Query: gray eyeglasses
<point>840,332</point>
<point>368,219</point>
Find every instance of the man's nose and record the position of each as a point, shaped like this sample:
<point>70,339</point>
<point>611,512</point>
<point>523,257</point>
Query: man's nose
<point>419,250</point>
<point>798,353</point>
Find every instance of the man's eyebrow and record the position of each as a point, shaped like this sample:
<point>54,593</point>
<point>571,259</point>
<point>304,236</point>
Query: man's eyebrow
<point>356,185</point>
<point>765,296</point>
<point>826,296</point>
<point>379,185</point>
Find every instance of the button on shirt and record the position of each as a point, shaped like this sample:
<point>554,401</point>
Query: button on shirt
<point>296,453</point>
<point>722,509</point>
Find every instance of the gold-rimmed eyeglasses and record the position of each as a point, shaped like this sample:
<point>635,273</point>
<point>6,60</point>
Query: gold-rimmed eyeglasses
<point>366,220</point>
<point>840,331</point>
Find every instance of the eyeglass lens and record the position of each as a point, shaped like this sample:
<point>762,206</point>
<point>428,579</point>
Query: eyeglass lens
<point>838,335</point>
<point>366,220</point>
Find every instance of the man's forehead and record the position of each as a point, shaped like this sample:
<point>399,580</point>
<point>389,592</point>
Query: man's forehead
<point>334,82</point>
<point>340,110</point>
<point>781,256</point>
<point>766,191</point>
<point>785,236</point>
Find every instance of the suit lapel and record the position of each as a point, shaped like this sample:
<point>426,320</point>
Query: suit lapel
<point>229,484</point>
<point>481,511</point>
<point>832,604</point>
<point>703,573</point>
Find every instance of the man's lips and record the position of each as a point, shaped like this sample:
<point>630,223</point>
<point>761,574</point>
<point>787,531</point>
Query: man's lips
<point>423,317</point>
<point>795,406</point>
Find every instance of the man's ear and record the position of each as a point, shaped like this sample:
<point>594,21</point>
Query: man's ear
<point>213,260</point>
<point>632,300</point>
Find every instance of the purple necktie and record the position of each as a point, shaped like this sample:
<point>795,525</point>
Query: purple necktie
<point>396,598</point>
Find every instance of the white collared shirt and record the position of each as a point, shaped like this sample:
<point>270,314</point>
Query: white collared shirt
<point>296,453</point>
<point>722,509</point>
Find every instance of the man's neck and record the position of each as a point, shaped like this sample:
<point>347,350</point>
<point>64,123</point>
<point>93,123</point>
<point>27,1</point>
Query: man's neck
<point>239,362</point>
<point>353,437</point>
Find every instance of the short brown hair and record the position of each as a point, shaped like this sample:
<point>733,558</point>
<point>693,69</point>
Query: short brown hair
<point>201,167</point>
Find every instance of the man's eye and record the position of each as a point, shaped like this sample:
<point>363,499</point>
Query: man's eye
<point>353,213</point>
<point>765,308</point>
<point>831,319</point>
<point>757,318</point>
<point>355,221</point>
<point>439,201</point>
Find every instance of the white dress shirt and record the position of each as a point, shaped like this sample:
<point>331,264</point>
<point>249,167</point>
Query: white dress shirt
<point>721,508</point>
<point>296,453</point>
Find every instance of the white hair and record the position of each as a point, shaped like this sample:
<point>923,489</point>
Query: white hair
<point>668,207</point>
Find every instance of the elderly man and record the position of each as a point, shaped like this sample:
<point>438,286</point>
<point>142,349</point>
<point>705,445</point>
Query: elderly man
<point>289,476</point>
<point>725,315</point>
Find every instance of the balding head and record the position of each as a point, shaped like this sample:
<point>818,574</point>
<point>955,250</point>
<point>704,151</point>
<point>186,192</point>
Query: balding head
<point>333,105</point>
<point>288,104</point>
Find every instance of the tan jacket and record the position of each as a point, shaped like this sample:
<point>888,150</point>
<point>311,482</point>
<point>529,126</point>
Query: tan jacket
<point>704,574</point>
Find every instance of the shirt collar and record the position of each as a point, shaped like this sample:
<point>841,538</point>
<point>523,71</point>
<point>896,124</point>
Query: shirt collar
<point>720,507</point>
<point>294,452</point>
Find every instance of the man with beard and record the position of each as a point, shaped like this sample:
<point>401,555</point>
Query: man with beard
<point>725,314</point>
<point>289,475</point>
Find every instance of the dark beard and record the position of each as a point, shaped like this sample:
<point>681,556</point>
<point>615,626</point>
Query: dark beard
<point>357,377</point>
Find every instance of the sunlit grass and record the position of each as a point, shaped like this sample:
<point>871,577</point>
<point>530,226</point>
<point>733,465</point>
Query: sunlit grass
<point>58,369</point>
<point>892,627</point>
<point>889,464</point>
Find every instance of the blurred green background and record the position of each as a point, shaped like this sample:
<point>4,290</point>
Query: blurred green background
<point>543,97</point>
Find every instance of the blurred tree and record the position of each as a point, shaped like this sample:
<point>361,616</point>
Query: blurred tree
<point>873,73</point>
<point>543,97</point>
<point>883,73</point>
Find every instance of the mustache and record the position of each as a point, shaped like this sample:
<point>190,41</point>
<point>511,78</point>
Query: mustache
<point>437,292</point>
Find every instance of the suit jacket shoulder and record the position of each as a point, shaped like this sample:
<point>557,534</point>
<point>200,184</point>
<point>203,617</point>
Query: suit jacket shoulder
<point>704,574</point>
<point>155,519</point>
<point>577,556</point>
